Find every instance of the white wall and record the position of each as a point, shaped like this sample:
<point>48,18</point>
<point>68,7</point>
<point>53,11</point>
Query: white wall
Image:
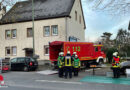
<point>23,42</point>
<point>74,27</point>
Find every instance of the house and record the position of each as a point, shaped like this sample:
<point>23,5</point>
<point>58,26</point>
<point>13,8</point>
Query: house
<point>55,20</point>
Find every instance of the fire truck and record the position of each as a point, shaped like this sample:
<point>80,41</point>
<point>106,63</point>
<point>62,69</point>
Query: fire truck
<point>88,53</point>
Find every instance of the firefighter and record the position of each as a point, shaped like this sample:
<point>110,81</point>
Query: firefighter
<point>68,65</point>
<point>76,65</point>
<point>73,55</point>
<point>116,65</point>
<point>60,64</point>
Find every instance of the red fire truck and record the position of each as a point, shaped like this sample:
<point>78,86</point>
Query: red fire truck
<point>87,52</point>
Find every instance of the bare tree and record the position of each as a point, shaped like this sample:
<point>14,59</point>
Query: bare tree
<point>121,7</point>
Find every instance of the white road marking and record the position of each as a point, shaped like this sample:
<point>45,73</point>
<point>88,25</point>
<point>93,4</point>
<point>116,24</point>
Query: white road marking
<point>91,69</point>
<point>3,86</point>
<point>88,70</point>
<point>58,82</point>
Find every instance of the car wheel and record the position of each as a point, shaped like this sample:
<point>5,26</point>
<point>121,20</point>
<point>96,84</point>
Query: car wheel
<point>125,71</point>
<point>25,69</point>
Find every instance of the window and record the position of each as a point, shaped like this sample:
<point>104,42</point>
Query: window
<point>102,49</point>
<point>11,51</point>
<point>7,34</point>
<point>14,60</point>
<point>76,15</point>
<point>46,50</point>
<point>14,33</point>
<point>96,49</point>
<point>10,34</point>
<point>54,29</point>
<point>80,19</point>
<point>14,50</point>
<point>29,32</point>
<point>21,60</point>
<point>7,51</point>
<point>46,31</point>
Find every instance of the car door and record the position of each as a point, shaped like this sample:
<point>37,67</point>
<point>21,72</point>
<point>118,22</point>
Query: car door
<point>20,63</point>
<point>14,64</point>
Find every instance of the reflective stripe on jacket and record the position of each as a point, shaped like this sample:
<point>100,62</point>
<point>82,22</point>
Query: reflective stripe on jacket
<point>116,62</point>
<point>68,61</point>
<point>60,61</point>
<point>76,63</point>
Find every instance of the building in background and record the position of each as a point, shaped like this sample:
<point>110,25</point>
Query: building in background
<point>55,20</point>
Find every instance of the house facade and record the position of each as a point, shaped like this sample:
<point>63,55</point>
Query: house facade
<point>65,24</point>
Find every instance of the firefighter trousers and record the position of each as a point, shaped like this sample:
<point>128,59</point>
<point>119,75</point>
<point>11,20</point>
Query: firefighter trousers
<point>76,71</point>
<point>68,71</point>
<point>116,72</point>
<point>61,71</point>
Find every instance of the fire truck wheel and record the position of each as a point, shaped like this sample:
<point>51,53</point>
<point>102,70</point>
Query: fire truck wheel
<point>100,61</point>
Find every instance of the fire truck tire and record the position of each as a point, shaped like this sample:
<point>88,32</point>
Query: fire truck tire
<point>100,61</point>
<point>87,65</point>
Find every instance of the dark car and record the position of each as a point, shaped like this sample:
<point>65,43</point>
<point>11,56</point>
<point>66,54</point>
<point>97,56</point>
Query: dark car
<point>125,65</point>
<point>24,63</point>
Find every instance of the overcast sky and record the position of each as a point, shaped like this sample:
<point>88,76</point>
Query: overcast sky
<point>99,22</point>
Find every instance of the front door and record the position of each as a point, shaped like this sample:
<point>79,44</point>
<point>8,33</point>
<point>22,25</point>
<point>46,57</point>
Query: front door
<point>29,53</point>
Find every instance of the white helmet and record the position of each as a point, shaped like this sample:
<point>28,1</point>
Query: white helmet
<point>76,56</point>
<point>61,53</point>
<point>68,52</point>
<point>115,53</point>
<point>74,52</point>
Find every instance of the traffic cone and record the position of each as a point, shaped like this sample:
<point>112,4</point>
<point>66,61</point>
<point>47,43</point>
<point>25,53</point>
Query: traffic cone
<point>2,80</point>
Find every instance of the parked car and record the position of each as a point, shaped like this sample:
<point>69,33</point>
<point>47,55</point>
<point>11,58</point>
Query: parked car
<point>4,64</point>
<point>24,63</point>
<point>124,66</point>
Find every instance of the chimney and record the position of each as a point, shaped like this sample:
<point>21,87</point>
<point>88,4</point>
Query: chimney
<point>2,11</point>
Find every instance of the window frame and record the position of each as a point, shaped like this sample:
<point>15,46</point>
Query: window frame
<point>7,35</point>
<point>12,51</point>
<point>52,29</point>
<point>96,49</point>
<point>44,31</point>
<point>6,51</point>
<point>12,33</point>
<point>28,33</point>
<point>46,46</point>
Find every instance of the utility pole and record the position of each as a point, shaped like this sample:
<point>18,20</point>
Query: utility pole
<point>33,28</point>
<point>129,33</point>
<point>129,26</point>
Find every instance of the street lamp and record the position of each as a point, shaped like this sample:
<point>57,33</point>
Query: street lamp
<point>33,28</point>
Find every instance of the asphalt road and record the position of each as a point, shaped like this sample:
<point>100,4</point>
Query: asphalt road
<point>34,81</point>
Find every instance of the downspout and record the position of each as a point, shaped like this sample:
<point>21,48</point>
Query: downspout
<point>66,28</point>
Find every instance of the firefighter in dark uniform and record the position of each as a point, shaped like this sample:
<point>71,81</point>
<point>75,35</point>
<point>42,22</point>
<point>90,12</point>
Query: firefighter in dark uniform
<point>76,65</point>
<point>60,64</point>
<point>73,55</point>
<point>116,65</point>
<point>68,65</point>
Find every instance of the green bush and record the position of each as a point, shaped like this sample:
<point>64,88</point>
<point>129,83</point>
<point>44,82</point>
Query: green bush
<point>109,53</point>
